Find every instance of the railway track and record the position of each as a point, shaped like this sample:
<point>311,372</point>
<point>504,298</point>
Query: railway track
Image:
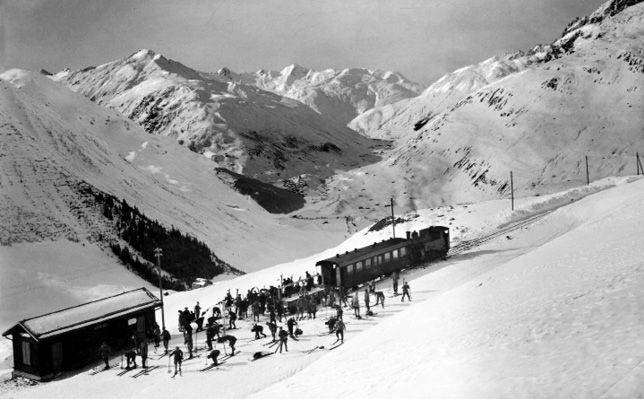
<point>469,244</point>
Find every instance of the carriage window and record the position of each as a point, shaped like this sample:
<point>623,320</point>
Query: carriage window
<point>349,269</point>
<point>358,266</point>
<point>26,353</point>
<point>367,262</point>
<point>387,256</point>
<point>395,254</point>
<point>403,251</point>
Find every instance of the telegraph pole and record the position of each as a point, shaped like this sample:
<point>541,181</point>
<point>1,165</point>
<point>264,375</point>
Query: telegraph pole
<point>512,189</point>
<point>393,218</point>
<point>158,252</point>
<point>587,174</point>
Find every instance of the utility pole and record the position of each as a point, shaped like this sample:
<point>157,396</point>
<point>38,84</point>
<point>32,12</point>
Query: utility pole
<point>512,189</point>
<point>158,252</point>
<point>587,174</point>
<point>638,164</point>
<point>393,218</point>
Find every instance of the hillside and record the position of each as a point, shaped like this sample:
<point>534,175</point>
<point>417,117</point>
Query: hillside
<point>543,309</point>
<point>238,126</point>
<point>584,98</point>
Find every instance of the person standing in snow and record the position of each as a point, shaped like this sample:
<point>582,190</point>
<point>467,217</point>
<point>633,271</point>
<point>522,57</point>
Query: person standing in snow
<point>394,278</point>
<point>283,335</point>
<point>130,357</point>
<point>339,311</point>
<point>366,299</point>
<point>339,330</point>
<point>104,352</point>
<point>165,335</point>
<point>405,289</point>
<point>355,303</point>
<point>290,323</point>
<point>178,359</point>
<point>156,332</point>
<point>273,329</point>
<point>231,319</point>
<point>188,342</point>
<point>197,310</point>
<point>143,352</point>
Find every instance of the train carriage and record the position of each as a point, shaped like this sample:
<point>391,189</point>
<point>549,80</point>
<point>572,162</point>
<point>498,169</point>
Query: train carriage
<point>356,267</point>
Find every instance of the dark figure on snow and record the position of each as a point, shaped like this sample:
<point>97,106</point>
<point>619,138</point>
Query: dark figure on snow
<point>366,299</point>
<point>355,303</point>
<point>197,310</point>
<point>300,308</point>
<point>290,323</point>
<point>156,333</point>
<point>213,355</point>
<point>231,320</point>
<point>283,335</point>
<point>273,328</point>
<point>182,321</point>
<point>331,323</point>
<point>165,335</point>
<point>178,359</point>
<point>339,330</point>
<point>104,352</point>
<point>255,310</point>
<point>231,341</point>
<point>257,329</point>
<point>339,312</point>
<point>309,281</point>
<point>405,289</point>
<point>313,307</point>
<point>199,322</point>
<point>143,352</point>
<point>271,316</point>
<point>394,279</point>
<point>380,299</point>
<point>210,335</point>
<point>188,342</point>
<point>216,313</point>
<point>130,357</point>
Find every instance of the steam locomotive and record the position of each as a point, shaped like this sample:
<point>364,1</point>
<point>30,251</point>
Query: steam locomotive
<point>361,265</point>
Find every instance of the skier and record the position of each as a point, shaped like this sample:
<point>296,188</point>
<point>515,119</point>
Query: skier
<point>197,310</point>
<point>339,312</point>
<point>213,355</point>
<point>257,329</point>
<point>166,339</point>
<point>210,334</point>
<point>283,335</point>
<point>366,299</point>
<point>380,298</point>
<point>130,357</point>
<point>104,352</point>
<point>178,359</point>
<point>188,342</point>
<point>231,319</point>
<point>339,330</point>
<point>313,307</point>
<point>255,309</point>
<point>231,341</point>
<point>300,308</point>
<point>182,320</point>
<point>355,303</point>
<point>290,323</point>
<point>273,328</point>
<point>394,278</point>
<point>143,352</point>
<point>156,332</point>
<point>405,289</point>
<point>331,323</point>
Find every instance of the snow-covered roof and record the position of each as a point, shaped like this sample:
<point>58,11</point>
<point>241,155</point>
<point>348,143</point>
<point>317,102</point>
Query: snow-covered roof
<point>87,314</point>
<point>359,253</point>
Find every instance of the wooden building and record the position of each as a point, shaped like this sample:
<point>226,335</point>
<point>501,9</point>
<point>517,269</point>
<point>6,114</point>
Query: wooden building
<point>69,339</point>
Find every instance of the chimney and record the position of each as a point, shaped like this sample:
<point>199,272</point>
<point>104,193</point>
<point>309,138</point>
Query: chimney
<point>408,234</point>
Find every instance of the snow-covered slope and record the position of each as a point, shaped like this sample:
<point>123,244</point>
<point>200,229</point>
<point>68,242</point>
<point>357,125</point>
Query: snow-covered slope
<point>550,307</point>
<point>539,122</point>
<point>239,126</point>
<point>339,95</point>
<point>56,144</point>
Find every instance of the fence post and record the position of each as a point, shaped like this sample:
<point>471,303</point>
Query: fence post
<point>587,174</point>
<point>512,189</point>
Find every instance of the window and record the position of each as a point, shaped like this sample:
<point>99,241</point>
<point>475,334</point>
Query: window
<point>403,251</point>
<point>358,266</point>
<point>26,353</point>
<point>387,256</point>
<point>367,262</point>
<point>350,269</point>
<point>395,254</point>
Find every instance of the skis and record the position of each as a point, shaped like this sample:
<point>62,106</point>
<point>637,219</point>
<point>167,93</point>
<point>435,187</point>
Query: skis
<point>99,369</point>
<point>334,346</point>
<point>124,371</point>
<point>145,371</point>
<point>308,352</point>
<point>271,344</point>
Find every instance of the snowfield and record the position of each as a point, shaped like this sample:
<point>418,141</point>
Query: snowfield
<point>548,306</point>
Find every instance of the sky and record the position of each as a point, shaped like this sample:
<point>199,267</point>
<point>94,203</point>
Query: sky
<point>422,39</point>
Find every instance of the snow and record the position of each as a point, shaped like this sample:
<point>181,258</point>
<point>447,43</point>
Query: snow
<point>545,308</point>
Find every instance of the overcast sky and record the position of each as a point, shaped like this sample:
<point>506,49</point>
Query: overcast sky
<point>422,39</point>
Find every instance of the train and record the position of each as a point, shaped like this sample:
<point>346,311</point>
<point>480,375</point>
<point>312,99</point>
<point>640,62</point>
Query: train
<point>353,268</point>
